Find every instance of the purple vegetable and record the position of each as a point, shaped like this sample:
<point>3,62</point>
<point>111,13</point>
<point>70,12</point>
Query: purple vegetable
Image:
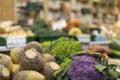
<point>82,68</point>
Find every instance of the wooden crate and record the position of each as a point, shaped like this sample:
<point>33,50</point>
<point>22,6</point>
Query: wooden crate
<point>7,10</point>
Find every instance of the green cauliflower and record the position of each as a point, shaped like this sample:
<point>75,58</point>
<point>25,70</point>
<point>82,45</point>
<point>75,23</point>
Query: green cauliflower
<point>65,47</point>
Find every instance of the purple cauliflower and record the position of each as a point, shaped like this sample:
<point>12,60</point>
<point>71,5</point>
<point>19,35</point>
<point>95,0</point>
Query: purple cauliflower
<point>82,68</point>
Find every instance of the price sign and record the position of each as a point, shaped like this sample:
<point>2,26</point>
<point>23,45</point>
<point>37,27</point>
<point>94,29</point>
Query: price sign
<point>84,38</point>
<point>59,25</point>
<point>15,41</point>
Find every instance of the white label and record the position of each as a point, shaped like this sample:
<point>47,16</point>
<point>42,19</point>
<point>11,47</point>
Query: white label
<point>30,21</point>
<point>84,38</point>
<point>59,25</point>
<point>15,41</point>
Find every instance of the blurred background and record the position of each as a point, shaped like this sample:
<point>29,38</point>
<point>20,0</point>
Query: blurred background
<point>97,18</point>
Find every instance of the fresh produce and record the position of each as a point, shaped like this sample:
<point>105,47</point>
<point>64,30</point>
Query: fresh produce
<point>15,70</point>
<point>10,30</point>
<point>49,69</point>
<point>64,47</point>
<point>74,31</point>
<point>6,61</point>
<point>116,52</point>
<point>28,75</point>
<point>115,47</point>
<point>74,22</point>
<point>65,63</point>
<point>33,59</point>
<point>82,68</point>
<point>34,45</point>
<point>100,49</point>
<point>48,57</point>
<point>41,28</point>
<point>27,61</point>
<point>4,73</point>
<point>46,44</point>
<point>90,67</point>
<point>87,66</point>
<point>16,54</point>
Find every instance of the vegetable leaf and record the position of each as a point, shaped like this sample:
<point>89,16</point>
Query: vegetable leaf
<point>100,67</point>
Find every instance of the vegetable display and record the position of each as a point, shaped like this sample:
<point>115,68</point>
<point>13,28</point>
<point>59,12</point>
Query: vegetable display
<point>62,59</point>
<point>30,63</point>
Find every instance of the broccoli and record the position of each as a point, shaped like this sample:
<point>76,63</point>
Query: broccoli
<point>82,68</point>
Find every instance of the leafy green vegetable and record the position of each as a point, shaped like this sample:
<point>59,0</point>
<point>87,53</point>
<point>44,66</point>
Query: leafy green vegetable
<point>61,75</point>
<point>41,28</point>
<point>100,67</point>
<point>113,73</point>
<point>116,52</point>
<point>115,45</point>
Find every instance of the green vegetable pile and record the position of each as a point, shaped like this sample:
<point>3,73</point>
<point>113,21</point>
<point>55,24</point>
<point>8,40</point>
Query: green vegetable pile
<point>62,48</point>
<point>41,28</point>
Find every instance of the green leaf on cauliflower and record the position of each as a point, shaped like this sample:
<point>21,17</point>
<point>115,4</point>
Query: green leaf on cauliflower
<point>100,67</point>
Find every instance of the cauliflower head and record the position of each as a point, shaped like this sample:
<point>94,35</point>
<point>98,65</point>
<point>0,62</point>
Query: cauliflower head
<point>82,68</point>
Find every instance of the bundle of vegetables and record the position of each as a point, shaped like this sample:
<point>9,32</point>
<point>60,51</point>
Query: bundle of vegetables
<point>88,66</point>
<point>105,51</point>
<point>115,47</point>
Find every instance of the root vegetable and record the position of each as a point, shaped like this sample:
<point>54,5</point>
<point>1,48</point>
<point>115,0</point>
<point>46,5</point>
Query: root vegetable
<point>35,45</point>
<point>48,58</point>
<point>6,61</point>
<point>16,54</point>
<point>32,60</point>
<point>28,75</point>
<point>15,70</point>
<point>49,69</point>
<point>4,73</point>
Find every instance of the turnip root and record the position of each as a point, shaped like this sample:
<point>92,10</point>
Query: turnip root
<point>48,58</point>
<point>16,54</point>
<point>49,69</point>
<point>28,75</point>
<point>6,61</point>
<point>15,70</point>
<point>4,73</point>
<point>34,45</point>
<point>31,60</point>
